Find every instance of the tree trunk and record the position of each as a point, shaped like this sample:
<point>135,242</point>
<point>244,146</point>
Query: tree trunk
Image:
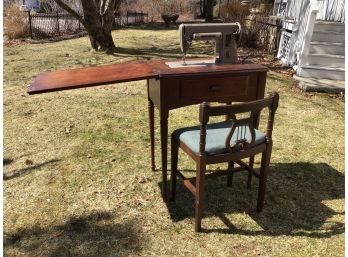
<point>209,11</point>
<point>202,7</point>
<point>102,40</point>
<point>98,18</point>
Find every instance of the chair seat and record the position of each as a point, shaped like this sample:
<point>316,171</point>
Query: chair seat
<point>215,139</point>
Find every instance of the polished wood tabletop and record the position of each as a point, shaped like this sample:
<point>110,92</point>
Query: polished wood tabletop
<point>90,76</point>
<point>123,72</point>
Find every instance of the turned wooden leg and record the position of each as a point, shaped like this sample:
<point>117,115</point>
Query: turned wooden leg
<point>230,173</point>
<point>200,175</point>
<point>152,133</point>
<point>174,167</point>
<point>164,141</point>
<point>251,164</point>
<point>230,164</point>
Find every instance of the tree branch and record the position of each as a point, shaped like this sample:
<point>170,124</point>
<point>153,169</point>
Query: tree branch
<point>102,7</point>
<point>114,5</point>
<point>70,10</point>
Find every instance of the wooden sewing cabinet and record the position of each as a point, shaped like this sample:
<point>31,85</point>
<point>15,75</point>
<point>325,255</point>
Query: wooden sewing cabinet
<point>168,88</point>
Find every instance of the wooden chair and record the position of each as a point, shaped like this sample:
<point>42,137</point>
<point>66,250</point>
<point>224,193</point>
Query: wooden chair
<point>228,141</point>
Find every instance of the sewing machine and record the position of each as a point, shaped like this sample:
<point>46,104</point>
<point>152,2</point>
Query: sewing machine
<point>224,35</point>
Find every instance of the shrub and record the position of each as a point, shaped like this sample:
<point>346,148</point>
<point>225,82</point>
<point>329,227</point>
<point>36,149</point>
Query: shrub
<point>250,25</point>
<point>14,22</point>
<point>250,33</point>
<point>168,18</point>
<point>156,8</point>
<point>175,18</point>
<point>234,12</point>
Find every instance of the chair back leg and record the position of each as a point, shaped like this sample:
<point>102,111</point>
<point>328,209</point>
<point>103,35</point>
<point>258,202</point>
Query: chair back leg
<point>200,177</point>
<point>265,160</point>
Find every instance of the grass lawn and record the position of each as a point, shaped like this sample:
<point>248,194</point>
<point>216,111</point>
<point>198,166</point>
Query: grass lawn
<point>77,177</point>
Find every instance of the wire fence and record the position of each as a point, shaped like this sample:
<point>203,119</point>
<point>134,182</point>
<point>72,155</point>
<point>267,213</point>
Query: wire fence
<point>47,25</point>
<point>50,25</point>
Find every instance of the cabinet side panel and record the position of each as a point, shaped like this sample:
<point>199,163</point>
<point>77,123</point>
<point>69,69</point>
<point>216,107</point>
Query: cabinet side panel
<point>154,92</point>
<point>261,84</point>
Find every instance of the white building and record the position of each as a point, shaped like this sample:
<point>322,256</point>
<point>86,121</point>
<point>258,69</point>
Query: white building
<point>312,38</point>
<point>27,5</point>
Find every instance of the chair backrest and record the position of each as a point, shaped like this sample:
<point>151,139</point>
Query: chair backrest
<point>240,126</point>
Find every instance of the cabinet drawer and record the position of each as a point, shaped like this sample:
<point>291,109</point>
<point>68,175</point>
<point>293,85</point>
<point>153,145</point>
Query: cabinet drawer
<point>213,87</point>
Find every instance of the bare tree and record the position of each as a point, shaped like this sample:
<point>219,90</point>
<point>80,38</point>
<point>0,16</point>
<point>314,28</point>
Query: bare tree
<point>98,17</point>
<point>206,9</point>
<point>209,10</point>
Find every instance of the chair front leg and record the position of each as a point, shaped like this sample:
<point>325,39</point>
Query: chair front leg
<point>250,175</point>
<point>200,176</point>
<point>266,157</point>
<point>174,167</point>
<point>230,173</point>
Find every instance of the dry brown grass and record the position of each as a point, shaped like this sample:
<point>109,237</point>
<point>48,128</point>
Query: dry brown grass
<point>14,22</point>
<point>90,190</point>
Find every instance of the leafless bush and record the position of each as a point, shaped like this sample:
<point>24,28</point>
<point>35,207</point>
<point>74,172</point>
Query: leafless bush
<point>69,25</point>
<point>14,22</point>
<point>9,3</point>
<point>156,8</point>
<point>252,30</point>
<point>250,25</point>
<point>50,6</point>
<point>234,12</point>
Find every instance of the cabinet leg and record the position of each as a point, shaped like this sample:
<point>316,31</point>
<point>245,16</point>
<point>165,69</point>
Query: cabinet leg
<point>152,133</point>
<point>164,141</point>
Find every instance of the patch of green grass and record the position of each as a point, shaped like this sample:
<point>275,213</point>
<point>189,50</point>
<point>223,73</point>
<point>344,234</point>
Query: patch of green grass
<point>90,190</point>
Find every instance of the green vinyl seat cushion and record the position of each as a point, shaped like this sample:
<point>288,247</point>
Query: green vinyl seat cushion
<point>215,138</point>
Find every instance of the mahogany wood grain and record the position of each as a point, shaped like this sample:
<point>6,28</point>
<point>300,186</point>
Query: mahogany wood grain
<point>168,88</point>
<point>123,72</point>
<point>161,68</point>
<point>202,158</point>
<point>91,76</point>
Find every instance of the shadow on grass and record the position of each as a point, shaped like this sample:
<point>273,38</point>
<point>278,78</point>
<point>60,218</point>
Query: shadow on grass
<point>293,205</point>
<point>27,170</point>
<point>87,235</point>
<point>7,161</point>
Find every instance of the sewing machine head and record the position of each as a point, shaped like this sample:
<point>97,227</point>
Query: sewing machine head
<point>224,34</point>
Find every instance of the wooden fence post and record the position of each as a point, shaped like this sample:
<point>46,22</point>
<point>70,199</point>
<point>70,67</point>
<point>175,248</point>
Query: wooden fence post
<point>30,28</point>
<point>127,18</point>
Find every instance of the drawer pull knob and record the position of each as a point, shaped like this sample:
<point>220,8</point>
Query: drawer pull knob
<point>215,88</point>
